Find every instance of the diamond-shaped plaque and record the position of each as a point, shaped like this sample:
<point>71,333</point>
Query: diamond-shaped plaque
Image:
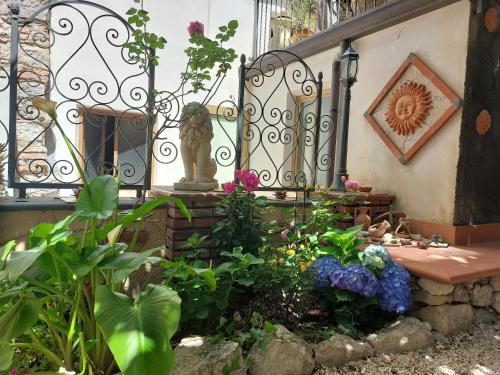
<point>411,108</point>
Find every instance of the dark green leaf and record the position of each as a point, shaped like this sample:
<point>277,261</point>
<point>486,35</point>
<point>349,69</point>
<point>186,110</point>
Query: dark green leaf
<point>19,318</point>
<point>99,199</point>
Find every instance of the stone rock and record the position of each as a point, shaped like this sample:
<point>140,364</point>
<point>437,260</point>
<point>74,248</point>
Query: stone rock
<point>340,349</point>
<point>483,316</point>
<point>483,281</point>
<point>285,354</point>
<point>429,299</point>
<point>495,283</point>
<point>460,294</point>
<point>447,319</point>
<point>495,302</point>
<point>404,335</point>
<point>481,295</point>
<point>439,338</point>
<point>198,355</point>
<point>435,288</point>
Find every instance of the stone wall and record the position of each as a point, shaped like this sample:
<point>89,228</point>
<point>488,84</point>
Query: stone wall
<point>33,73</point>
<point>450,309</point>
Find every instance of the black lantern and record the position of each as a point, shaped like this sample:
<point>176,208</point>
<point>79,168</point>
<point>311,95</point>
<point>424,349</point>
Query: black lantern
<point>349,64</point>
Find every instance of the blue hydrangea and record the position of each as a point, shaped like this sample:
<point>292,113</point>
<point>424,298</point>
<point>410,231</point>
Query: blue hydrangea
<point>322,269</point>
<point>355,278</point>
<point>394,294</point>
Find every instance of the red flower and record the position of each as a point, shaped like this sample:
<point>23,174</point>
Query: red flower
<point>196,27</point>
<point>229,187</point>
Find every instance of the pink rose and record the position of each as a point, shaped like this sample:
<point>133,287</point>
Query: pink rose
<point>249,180</point>
<point>14,371</point>
<point>351,185</point>
<point>229,187</point>
<point>196,27</point>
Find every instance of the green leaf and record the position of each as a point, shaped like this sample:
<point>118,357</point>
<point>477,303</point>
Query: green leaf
<point>126,263</point>
<point>20,261</point>
<point>269,327</point>
<point>99,199</point>
<point>232,25</point>
<point>223,29</point>
<point>6,355</point>
<point>19,318</point>
<point>131,11</point>
<point>139,332</point>
<point>6,249</point>
<point>246,281</point>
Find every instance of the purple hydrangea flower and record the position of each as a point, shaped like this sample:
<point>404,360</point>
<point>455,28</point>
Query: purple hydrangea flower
<point>355,278</point>
<point>322,269</point>
<point>395,294</point>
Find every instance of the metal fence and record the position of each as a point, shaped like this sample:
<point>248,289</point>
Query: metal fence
<point>72,52</point>
<point>281,23</point>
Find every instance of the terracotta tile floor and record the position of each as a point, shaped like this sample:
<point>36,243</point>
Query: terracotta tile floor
<point>452,265</point>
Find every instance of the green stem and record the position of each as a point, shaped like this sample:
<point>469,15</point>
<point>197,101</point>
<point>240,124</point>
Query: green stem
<point>138,228</point>
<point>42,349</point>
<point>83,354</point>
<point>74,314</point>
<point>53,330</point>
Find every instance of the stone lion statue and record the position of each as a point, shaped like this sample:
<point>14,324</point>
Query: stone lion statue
<point>196,133</point>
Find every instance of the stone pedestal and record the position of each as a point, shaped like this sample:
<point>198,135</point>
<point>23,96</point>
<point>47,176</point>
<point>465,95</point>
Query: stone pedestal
<point>202,206</point>
<point>195,186</point>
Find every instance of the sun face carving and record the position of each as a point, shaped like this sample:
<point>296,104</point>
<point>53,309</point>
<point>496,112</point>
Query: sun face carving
<point>408,107</point>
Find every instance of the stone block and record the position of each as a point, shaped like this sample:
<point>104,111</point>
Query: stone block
<point>447,319</point>
<point>435,288</point>
<point>481,295</point>
<point>430,299</point>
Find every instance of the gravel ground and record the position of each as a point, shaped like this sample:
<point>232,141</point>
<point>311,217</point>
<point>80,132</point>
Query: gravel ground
<point>476,352</point>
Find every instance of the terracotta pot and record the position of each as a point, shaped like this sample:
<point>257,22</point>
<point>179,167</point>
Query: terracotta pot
<point>362,216</point>
<point>365,189</point>
<point>378,230</point>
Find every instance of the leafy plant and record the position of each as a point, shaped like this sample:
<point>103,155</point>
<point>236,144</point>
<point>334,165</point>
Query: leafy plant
<point>243,227</point>
<point>143,45</point>
<point>69,283</point>
<point>206,291</point>
<point>343,245</point>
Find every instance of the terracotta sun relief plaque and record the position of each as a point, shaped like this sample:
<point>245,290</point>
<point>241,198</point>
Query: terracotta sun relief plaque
<point>411,108</point>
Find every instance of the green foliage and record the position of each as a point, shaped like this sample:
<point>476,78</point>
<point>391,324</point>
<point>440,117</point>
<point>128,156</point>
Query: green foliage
<point>343,245</point>
<point>66,283</point>
<point>206,292</point>
<point>139,332</point>
<point>243,227</point>
<point>206,54</point>
<point>141,48</point>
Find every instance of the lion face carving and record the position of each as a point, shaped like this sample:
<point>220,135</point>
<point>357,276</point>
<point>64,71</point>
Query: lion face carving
<point>195,133</point>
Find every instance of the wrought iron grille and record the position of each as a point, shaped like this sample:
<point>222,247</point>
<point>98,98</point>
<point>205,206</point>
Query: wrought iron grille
<point>281,23</point>
<point>72,52</point>
<point>285,133</point>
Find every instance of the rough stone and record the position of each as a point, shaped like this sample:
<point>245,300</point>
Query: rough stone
<point>439,338</point>
<point>481,295</point>
<point>340,349</point>
<point>404,335</point>
<point>285,353</point>
<point>495,283</point>
<point>447,319</point>
<point>198,355</point>
<point>435,288</point>
<point>429,299</point>
<point>483,316</point>
<point>460,294</point>
<point>495,302</point>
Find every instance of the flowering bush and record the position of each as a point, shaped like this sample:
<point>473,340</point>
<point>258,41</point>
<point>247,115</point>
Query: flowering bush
<point>377,276</point>
<point>243,226</point>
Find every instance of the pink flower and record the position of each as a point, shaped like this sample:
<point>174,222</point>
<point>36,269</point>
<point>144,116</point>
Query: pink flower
<point>14,371</point>
<point>249,180</point>
<point>229,187</point>
<point>351,185</point>
<point>196,27</point>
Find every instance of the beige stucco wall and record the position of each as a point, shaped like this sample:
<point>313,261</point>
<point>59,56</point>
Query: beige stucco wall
<point>425,187</point>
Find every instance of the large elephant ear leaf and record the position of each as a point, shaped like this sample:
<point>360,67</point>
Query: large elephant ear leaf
<point>139,332</point>
<point>17,320</point>
<point>98,199</point>
<point>20,261</point>
<point>6,355</point>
